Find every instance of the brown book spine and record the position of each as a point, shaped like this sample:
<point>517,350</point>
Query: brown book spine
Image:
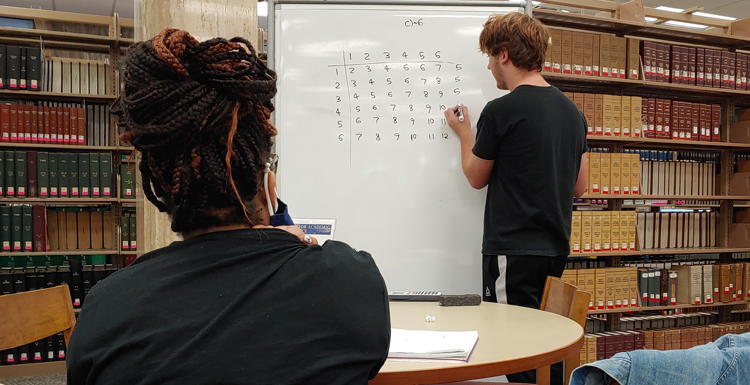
<point>732,70</point>
<point>81,126</point>
<point>73,125</point>
<point>695,116</point>
<point>66,123</point>
<point>652,118</point>
<point>664,287</point>
<point>644,51</point>
<point>668,122</point>
<point>684,65</point>
<point>27,123</point>
<point>14,123</point>
<point>5,121</point>
<point>40,124</point>
<point>20,124</point>
<point>31,174</point>
<point>667,63</point>
<point>725,70</point>
<point>708,67</point>
<point>675,64</point>
<point>700,63</point>
<point>660,119</point>
<point>53,126</point>
<point>661,57</point>
<point>47,122</point>
<point>34,129</point>
<point>717,69</point>
<point>39,225</point>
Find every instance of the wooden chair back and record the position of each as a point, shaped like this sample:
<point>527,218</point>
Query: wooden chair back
<point>35,315</point>
<point>566,300</point>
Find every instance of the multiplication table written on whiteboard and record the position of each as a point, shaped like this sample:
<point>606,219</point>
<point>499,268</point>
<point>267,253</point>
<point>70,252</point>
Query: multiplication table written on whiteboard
<point>392,96</point>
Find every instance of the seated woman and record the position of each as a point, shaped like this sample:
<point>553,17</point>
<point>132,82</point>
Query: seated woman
<point>236,301</point>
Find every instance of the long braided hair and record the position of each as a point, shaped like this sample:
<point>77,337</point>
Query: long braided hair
<point>198,112</point>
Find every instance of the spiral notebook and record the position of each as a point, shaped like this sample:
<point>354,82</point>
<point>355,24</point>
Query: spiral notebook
<point>425,344</point>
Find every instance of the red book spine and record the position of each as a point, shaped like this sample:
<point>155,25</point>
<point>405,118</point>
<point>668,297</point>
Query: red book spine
<point>716,123</point>
<point>34,129</point>
<point>27,123</point>
<point>5,121</point>
<point>65,111</point>
<point>73,125</point>
<point>53,125</point>
<point>39,225</point>
<point>81,126</point>
<point>14,123</point>
<point>46,114</point>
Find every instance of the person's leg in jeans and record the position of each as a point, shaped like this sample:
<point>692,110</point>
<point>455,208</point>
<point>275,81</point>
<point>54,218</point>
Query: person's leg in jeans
<point>519,280</point>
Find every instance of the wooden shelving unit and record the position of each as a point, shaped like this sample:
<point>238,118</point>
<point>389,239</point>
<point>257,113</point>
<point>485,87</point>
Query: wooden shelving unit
<point>40,369</point>
<point>673,307</point>
<point>608,21</point>
<point>111,44</point>
<point>699,250</point>
<point>671,197</point>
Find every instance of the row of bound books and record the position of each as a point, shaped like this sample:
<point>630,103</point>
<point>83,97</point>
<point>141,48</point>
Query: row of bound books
<point>600,346</point>
<point>129,231</point>
<point>20,68</point>
<point>81,228</point>
<point>52,175</point>
<point>676,230</point>
<point>54,123</point>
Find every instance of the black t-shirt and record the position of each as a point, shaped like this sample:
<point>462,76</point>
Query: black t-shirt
<point>536,136</point>
<point>235,307</point>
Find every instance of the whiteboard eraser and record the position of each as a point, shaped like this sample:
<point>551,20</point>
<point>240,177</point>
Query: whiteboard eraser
<point>460,300</point>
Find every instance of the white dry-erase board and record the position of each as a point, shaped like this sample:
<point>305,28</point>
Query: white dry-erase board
<point>362,136</point>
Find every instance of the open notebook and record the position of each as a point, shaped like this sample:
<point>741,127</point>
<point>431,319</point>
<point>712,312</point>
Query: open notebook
<point>424,344</point>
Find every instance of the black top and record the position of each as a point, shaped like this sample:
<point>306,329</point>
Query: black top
<point>235,307</point>
<point>536,136</point>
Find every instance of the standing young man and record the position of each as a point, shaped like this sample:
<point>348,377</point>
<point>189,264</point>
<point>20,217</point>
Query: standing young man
<point>529,149</point>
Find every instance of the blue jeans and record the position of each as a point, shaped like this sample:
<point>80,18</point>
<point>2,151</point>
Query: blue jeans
<point>724,362</point>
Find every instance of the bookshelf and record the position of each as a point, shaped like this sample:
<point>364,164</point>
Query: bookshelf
<point>672,307</point>
<point>101,38</point>
<point>611,18</point>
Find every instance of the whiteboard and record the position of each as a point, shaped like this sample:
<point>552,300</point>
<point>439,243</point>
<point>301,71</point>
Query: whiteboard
<point>362,136</point>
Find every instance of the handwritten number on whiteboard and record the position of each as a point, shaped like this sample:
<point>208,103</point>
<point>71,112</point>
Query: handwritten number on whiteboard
<point>458,67</point>
<point>437,54</point>
<point>377,137</point>
<point>376,119</point>
<point>431,136</point>
<point>395,121</point>
<point>341,124</point>
<point>397,136</point>
<point>411,107</point>
<point>374,108</point>
<point>368,68</point>
<point>445,136</point>
<point>372,94</point>
<point>359,136</point>
<point>387,55</point>
<point>429,108</point>
<point>442,107</point>
<point>421,55</point>
<point>439,66</point>
<point>406,80</point>
<point>358,120</point>
<point>456,91</point>
<point>338,99</point>
<point>426,94</point>
<point>458,79</point>
<point>408,93</point>
<point>394,107</point>
<point>422,67</point>
<point>438,80</point>
<point>358,109</point>
<point>351,70</point>
<point>406,67</point>
<point>441,93</point>
<point>354,83</point>
<point>413,136</point>
<point>390,94</point>
<point>388,81</point>
<point>430,121</point>
<point>338,112</point>
<point>355,96</point>
<point>338,85</point>
<point>413,121</point>
<point>367,56</point>
<point>405,55</point>
<point>371,82</point>
<point>341,137</point>
<point>424,81</point>
<point>387,68</point>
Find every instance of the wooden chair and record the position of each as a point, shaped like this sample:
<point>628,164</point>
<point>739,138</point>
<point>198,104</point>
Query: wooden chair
<point>566,300</point>
<point>35,315</point>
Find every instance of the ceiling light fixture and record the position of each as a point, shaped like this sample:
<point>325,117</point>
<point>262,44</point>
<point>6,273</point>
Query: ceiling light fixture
<point>722,17</point>
<point>669,9</point>
<point>685,25</point>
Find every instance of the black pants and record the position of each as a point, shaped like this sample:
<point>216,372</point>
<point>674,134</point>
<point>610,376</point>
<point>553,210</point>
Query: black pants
<point>519,280</point>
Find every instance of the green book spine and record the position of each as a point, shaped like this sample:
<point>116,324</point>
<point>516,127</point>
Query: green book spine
<point>5,229</point>
<point>73,179</point>
<point>84,175</point>
<point>54,175</point>
<point>16,218</point>
<point>95,183</point>
<point>105,173</point>
<point>10,173</point>
<point>42,167</point>
<point>133,233</point>
<point>125,231</point>
<point>21,173</point>
<point>2,173</point>
<point>27,232</point>
<point>126,182</point>
<point>63,174</point>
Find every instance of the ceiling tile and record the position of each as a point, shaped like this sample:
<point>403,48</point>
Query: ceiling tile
<point>43,4</point>
<point>738,9</point>
<point>124,8</point>
<point>93,7</point>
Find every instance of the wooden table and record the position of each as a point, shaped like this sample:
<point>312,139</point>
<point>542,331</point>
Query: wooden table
<point>511,339</point>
